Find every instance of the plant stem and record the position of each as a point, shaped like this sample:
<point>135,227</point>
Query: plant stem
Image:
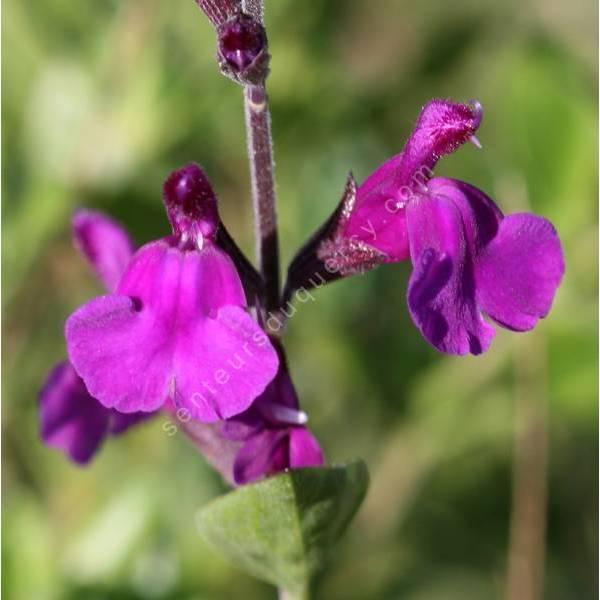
<point>260,154</point>
<point>285,594</point>
<point>526,556</point>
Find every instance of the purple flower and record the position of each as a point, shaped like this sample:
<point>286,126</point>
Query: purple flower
<point>468,258</point>
<point>273,433</point>
<point>70,418</point>
<point>75,422</point>
<point>176,326</point>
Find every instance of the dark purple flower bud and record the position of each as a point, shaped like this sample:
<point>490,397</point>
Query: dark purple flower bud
<point>191,203</point>
<point>242,49</point>
<point>241,40</point>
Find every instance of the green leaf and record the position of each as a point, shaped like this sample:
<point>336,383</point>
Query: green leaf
<point>282,529</point>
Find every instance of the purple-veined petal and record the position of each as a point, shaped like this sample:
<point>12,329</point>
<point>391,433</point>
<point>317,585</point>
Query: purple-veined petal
<point>263,454</point>
<point>174,329</point>
<point>441,292</point>
<point>105,244</point>
<point>71,420</point>
<point>305,450</point>
<point>518,272</point>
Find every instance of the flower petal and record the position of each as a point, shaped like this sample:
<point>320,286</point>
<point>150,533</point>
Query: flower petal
<point>442,127</point>
<point>241,427</point>
<point>122,422</point>
<point>262,455</point>
<point>305,450</point>
<point>172,331</point>
<point>191,202</point>
<point>480,215</point>
<point>223,365</point>
<point>519,271</point>
<point>71,420</point>
<point>378,217</point>
<point>441,293</point>
<point>105,244</point>
<point>122,359</point>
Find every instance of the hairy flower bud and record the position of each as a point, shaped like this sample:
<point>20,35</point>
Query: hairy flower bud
<point>242,49</point>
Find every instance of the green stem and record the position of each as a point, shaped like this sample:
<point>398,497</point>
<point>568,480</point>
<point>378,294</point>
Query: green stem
<point>295,595</point>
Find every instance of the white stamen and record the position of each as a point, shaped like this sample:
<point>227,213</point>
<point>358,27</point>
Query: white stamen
<point>288,415</point>
<point>475,142</point>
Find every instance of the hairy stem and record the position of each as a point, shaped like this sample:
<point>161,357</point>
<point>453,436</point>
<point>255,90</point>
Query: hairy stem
<point>260,154</point>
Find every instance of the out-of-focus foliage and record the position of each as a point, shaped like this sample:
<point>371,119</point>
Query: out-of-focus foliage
<point>101,100</point>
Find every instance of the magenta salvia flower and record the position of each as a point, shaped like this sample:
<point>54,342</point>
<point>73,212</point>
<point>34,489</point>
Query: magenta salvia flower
<point>176,327</point>
<point>273,432</point>
<point>468,258</point>
<point>70,418</point>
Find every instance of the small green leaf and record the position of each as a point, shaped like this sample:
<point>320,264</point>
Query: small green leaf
<point>282,529</point>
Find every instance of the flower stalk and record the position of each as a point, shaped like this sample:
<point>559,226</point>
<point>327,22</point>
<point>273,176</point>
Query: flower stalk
<point>262,175</point>
<point>260,155</point>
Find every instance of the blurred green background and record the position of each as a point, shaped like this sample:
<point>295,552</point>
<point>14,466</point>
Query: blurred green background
<point>101,100</point>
